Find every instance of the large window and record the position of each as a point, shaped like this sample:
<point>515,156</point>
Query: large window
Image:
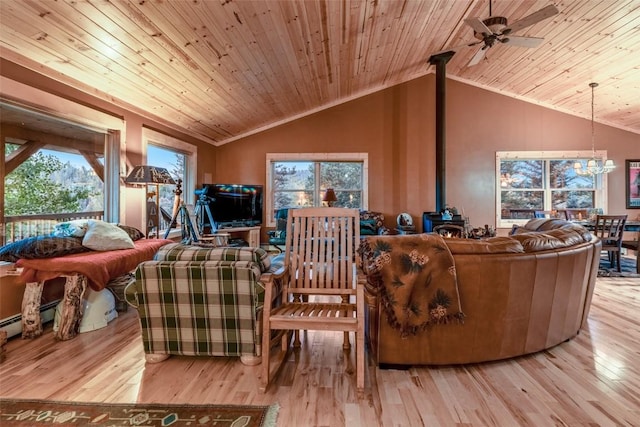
<point>179,158</point>
<point>300,180</point>
<point>530,181</point>
<point>53,182</point>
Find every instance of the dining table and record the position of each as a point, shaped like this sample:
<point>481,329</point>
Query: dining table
<point>631,226</point>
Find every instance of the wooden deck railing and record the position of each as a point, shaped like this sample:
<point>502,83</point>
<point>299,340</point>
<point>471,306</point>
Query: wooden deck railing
<point>22,226</point>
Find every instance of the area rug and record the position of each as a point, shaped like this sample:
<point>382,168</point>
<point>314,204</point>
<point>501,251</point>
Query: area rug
<point>627,267</point>
<point>18,412</point>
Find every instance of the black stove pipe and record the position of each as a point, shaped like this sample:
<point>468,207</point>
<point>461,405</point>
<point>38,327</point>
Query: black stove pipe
<point>440,61</point>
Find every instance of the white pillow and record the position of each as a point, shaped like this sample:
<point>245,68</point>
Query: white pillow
<point>74,228</point>
<point>103,236</point>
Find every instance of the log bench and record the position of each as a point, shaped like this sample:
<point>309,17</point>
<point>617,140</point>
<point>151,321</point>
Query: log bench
<point>95,269</point>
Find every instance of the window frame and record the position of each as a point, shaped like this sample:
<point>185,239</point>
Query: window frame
<point>600,190</point>
<point>312,157</point>
<point>190,151</point>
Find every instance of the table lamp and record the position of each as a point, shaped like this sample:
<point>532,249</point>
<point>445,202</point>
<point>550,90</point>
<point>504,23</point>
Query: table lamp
<point>329,197</point>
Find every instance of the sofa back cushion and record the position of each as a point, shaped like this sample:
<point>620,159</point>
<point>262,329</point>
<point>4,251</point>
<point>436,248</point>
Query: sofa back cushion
<point>553,239</point>
<point>548,224</point>
<point>492,245</point>
<point>182,252</point>
<point>198,308</point>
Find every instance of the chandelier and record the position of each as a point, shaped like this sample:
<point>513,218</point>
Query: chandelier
<point>594,166</point>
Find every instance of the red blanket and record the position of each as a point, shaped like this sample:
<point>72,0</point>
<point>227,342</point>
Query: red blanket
<point>98,267</point>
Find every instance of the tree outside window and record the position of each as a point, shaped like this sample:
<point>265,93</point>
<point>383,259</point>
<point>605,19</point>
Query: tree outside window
<point>302,183</point>
<point>51,182</point>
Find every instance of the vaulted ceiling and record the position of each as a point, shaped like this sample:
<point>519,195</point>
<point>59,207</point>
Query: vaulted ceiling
<point>223,69</point>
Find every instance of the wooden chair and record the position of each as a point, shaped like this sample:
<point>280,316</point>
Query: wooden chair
<point>610,228</point>
<point>449,230</point>
<point>319,291</point>
<point>577,214</point>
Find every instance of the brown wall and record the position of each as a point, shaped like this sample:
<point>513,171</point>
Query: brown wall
<point>396,127</point>
<point>393,126</point>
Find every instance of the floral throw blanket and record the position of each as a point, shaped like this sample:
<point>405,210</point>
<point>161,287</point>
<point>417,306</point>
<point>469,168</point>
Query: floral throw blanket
<point>416,278</point>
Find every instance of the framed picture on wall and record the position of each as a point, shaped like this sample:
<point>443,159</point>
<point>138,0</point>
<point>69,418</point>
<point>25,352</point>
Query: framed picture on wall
<point>632,183</point>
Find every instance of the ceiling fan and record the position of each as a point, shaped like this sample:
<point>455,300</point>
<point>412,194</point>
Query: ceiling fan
<point>497,29</point>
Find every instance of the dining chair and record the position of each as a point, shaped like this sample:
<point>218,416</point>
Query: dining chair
<point>450,230</point>
<point>577,214</point>
<point>561,214</point>
<point>610,229</point>
<point>320,291</point>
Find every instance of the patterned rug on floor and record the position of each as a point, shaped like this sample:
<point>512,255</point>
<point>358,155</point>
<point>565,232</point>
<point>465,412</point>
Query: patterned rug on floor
<point>19,412</point>
<point>627,267</point>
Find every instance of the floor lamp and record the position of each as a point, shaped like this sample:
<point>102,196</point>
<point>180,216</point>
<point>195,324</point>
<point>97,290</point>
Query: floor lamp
<point>151,176</point>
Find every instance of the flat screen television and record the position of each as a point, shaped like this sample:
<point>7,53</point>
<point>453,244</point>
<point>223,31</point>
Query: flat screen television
<point>233,205</point>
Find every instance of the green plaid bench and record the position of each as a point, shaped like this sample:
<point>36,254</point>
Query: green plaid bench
<point>202,301</point>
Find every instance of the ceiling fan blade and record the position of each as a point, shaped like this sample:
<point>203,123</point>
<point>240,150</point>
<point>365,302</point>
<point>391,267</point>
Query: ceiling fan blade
<point>478,26</point>
<point>534,18</point>
<point>479,56</point>
<point>523,41</point>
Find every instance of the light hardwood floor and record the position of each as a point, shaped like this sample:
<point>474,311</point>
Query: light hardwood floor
<point>591,380</point>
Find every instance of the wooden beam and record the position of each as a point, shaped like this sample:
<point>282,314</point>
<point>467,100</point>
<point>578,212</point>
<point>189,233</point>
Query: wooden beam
<point>18,134</point>
<point>92,159</point>
<point>20,155</point>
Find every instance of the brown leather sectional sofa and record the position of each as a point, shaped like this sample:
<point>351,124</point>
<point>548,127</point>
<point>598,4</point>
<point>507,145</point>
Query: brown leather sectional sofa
<point>519,294</point>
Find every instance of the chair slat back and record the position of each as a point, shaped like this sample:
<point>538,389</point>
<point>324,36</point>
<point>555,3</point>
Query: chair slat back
<point>610,227</point>
<point>322,249</point>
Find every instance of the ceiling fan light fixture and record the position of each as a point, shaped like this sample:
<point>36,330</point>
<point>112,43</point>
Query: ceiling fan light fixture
<point>594,166</point>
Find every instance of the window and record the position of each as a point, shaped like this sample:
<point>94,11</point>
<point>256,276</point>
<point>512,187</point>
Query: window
<point>179,158</point>
<point>172,161</point>
<point>530,181</point>
<point>300,180</point>
<point>54,182</point>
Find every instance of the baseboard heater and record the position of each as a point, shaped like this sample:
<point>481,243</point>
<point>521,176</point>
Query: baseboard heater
<point>13,324</point>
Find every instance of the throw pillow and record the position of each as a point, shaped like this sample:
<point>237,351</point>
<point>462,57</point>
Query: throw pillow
<point>133,232</point>
<point>368,227</point>
<point>103,236</point>
<point>41,247</point>
<point>74,228</point>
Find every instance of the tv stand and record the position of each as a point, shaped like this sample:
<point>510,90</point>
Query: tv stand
<point>249,234</point>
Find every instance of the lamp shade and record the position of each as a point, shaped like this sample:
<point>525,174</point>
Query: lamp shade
<point>329,197</point>
<point>144,174</point>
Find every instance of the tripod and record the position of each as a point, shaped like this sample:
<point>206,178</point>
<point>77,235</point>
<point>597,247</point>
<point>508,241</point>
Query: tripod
<point>202,208</point>
<point>187,226</point>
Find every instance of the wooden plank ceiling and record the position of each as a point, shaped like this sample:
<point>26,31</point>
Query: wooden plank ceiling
<point>223,69</point>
